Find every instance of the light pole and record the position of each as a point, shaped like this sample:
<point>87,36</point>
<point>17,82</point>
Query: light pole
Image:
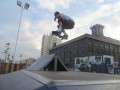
<point>23,7</point>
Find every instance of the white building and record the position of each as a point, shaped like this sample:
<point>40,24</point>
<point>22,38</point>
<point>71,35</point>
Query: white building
<point>28,61</point>
<point>49,41</point>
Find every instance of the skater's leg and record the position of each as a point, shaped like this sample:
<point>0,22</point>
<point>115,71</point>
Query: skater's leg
<point>57,32</point>
<point>60,36</point>
<point>65,34</point>
<point>59,27</point>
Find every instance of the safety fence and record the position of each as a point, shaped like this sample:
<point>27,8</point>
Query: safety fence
<point>10,67</point>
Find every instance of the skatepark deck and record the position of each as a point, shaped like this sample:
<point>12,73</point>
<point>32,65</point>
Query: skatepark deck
<point>44,80</point>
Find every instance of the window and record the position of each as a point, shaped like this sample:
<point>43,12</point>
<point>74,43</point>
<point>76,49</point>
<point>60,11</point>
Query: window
<point>96,47</point>
<point>111,49</point>
<point>119,50</point>
<point>107,50</point>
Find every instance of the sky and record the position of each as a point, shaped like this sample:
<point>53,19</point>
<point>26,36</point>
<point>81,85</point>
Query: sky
<point>39,20</point>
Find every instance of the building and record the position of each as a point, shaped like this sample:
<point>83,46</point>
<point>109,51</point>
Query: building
<point>88,45</point>
<point>28,61</point>
<point>48,41</point>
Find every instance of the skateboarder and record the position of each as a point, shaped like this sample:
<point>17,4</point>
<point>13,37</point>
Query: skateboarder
<point>64,22</point>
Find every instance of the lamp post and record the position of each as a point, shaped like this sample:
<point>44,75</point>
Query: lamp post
<point>23,7</point>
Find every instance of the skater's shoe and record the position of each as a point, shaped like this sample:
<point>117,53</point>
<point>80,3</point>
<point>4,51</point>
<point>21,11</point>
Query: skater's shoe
<point>52,33</point>
<point>64,37</point>
<point>56,33</point>
<point>60,36</point>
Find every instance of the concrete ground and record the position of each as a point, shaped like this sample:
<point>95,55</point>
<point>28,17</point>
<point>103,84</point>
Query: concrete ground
<point>76,75</point>
<point>44,80</point>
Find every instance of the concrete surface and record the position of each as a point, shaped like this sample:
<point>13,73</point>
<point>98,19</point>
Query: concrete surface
<point>41,80</point>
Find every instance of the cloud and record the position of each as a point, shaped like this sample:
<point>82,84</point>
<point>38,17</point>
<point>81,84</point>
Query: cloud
<point>100,1</point>
<point>112,28</point>
<point>31,32</point>
<point>102,15</point>
<point>53,4</point>
<point>104,10</point>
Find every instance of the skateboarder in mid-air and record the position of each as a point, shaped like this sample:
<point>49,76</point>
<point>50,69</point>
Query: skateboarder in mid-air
<point>64,22</point>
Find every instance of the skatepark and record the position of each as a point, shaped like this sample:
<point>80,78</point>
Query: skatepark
<point>49,73</point>
<point>72,57</point>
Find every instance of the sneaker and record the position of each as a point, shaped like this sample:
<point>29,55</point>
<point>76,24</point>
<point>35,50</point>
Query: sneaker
<point>56,33</point>
<point>60,36</point>
<point>65,37</point>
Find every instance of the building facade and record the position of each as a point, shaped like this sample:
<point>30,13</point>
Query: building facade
<point>49,41</point>
<point>88,45</point>
<point>28,61</point>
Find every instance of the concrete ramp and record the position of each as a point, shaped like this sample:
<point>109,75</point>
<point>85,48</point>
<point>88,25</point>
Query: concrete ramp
<point>20,81</point>
<point>48,63</point>
<point>45,80</point>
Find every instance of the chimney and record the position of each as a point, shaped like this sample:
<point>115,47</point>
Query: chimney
<point>97,30</point>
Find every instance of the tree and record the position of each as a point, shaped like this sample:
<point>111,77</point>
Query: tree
<point>6,52</point>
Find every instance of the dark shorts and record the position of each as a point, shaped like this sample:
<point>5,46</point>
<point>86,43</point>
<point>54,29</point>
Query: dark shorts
<point>67,25</point>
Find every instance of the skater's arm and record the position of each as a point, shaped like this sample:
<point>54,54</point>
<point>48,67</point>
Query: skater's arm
<point>60,26</point>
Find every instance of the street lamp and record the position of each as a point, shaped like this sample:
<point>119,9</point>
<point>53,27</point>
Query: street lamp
<point>23,7</point>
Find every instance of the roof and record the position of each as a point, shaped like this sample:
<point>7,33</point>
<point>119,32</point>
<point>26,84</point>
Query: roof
<point>97,25</point>
<point>100,38</point>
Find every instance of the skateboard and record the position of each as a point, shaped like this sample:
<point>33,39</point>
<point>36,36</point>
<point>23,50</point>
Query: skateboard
<point>56,33</point>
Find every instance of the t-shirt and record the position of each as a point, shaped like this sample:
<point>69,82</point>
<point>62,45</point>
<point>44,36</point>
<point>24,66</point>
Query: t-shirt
<point>65,19</point>
<point>115,64</point>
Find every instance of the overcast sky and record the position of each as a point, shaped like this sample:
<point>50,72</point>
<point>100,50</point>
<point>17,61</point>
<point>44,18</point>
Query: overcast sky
<point>38,20</point>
